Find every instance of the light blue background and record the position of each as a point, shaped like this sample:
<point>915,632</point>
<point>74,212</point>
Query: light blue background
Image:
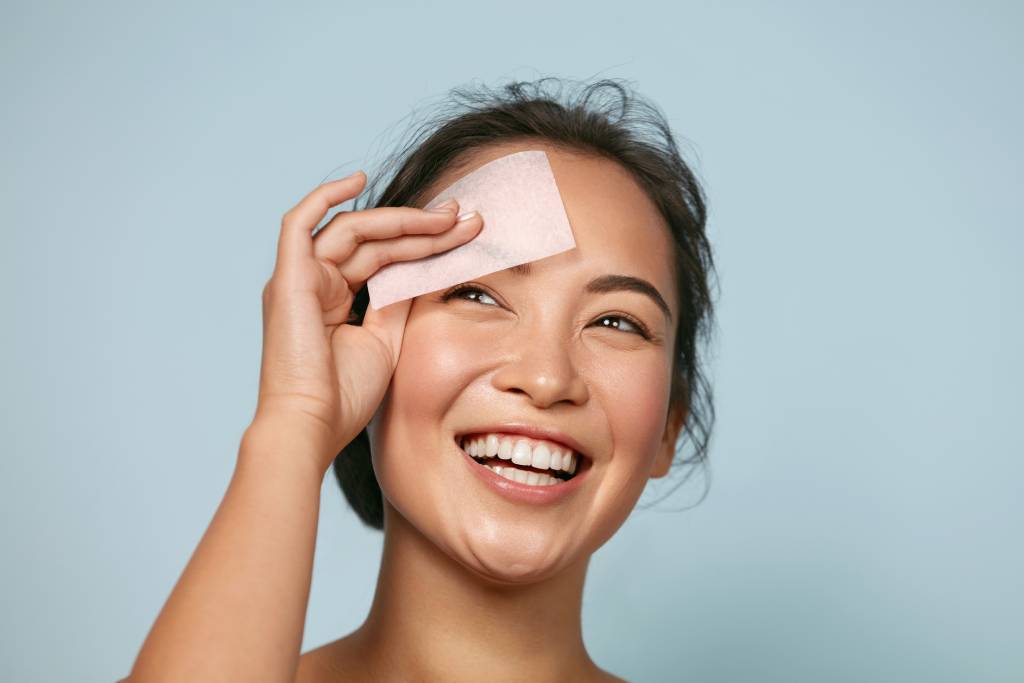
<point>863,165</point>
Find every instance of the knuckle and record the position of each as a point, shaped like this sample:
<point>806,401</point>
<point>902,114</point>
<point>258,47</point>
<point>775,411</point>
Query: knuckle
<point>358,235</point>
<point>405,222</point>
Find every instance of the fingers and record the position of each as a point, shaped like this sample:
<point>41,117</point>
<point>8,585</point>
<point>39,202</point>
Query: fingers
<point>337,240</point>
<point>388,323</point>
<point>296,241</point>
<point>372,256</point>
<point>355,244</point>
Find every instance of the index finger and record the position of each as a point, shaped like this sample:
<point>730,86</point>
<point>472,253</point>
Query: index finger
<point>296,240</point>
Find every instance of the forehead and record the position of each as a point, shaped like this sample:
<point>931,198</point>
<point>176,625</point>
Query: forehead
<point>617,227</point>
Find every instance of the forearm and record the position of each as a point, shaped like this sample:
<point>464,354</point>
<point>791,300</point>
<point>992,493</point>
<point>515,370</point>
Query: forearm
<point>238,610</point>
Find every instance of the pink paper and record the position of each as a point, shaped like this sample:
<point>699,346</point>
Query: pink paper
<point>524,220</point>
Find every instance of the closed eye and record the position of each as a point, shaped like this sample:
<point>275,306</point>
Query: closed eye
<point>621,322</point>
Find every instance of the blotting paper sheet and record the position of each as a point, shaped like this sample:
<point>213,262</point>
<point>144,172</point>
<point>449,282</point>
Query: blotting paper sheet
<point>524,220</point>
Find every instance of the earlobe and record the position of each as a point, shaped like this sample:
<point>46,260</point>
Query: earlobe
<point>667,448</point>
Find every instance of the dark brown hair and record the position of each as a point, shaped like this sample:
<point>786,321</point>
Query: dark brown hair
<point>604,118</point>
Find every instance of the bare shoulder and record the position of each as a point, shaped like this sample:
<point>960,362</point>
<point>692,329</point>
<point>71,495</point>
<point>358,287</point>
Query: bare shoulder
<point>337,660</point>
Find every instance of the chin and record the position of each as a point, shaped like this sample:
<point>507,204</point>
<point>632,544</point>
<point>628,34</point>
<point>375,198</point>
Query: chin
<point>494,549</point>
<point>503,569</point>
<point>512,555</point>
<point>512,576</point>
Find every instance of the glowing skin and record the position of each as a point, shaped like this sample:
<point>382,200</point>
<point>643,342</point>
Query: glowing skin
<point>470,580</point>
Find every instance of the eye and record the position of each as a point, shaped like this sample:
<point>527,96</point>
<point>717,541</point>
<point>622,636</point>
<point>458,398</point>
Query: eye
<point>631,325</point>
<point>465,292</point>
<point>621,322</point>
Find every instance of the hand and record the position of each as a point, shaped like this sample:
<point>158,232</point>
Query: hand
<point>320,373</point>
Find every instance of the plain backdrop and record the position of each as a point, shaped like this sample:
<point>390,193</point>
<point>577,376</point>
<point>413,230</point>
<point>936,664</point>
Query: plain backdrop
<point>863,169</point>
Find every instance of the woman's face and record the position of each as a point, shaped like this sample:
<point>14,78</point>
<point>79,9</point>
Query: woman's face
<point>541,350</point>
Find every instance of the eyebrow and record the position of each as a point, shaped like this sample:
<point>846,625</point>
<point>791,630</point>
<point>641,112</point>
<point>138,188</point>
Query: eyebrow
<point>613,283</point>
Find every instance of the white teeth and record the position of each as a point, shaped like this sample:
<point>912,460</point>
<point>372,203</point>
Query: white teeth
<point>523,477</point>
<point>556,459</point>
<point>505,449</point>
<point>542,456</point>
<point>521,454</point>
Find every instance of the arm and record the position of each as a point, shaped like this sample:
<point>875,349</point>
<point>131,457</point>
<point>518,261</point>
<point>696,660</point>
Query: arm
<point>238,610</point>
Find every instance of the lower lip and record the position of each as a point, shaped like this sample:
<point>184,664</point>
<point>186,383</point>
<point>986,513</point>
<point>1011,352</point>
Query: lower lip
<point>524,493</point>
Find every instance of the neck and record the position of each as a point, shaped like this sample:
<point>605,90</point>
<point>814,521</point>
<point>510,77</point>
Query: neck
<point>434,619</point>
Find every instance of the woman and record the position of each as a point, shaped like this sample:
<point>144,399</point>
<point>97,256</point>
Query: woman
<point>592,350</point>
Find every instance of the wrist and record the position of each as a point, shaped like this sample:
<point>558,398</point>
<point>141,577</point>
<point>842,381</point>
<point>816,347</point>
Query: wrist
<point>285,445</point>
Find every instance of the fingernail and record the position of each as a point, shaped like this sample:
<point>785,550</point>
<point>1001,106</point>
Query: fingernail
<point>444,207</point>
<point>465,216</point>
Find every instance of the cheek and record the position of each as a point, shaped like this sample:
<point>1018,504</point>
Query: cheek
<point>632,391</point>
<point>433,369</point>
<point>635,394</point>
<point>431,366</point>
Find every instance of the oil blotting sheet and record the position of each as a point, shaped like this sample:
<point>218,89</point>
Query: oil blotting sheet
<point>524,220</point>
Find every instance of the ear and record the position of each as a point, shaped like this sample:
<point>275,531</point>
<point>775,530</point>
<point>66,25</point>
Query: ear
<point>667,449</point>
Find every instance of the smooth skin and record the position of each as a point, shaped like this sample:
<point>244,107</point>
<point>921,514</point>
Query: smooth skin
<point>238,611</point>
<point>469,581</point>
<point>443,608</point>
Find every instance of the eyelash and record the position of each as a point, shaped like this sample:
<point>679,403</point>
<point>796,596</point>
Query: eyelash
<point>641,329</point>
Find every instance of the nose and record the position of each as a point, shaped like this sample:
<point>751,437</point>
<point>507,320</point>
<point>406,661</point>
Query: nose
<point>542,370</point>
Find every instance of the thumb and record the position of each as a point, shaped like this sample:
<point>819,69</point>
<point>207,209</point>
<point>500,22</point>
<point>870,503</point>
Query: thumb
<point>388,325</point>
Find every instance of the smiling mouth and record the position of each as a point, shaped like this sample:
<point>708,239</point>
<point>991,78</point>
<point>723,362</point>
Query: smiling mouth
<point>528,461</point>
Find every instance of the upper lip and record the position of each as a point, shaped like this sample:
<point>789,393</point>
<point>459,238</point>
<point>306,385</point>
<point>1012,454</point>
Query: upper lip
<point>529,430</point>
